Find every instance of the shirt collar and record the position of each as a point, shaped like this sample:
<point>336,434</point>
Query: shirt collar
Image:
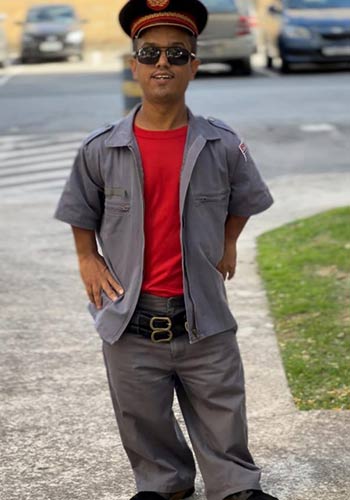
<point>122,133</point>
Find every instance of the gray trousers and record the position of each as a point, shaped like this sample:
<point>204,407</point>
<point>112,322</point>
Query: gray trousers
<point>209,382</point>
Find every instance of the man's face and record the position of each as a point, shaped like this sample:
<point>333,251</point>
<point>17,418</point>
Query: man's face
<point>162,82</point>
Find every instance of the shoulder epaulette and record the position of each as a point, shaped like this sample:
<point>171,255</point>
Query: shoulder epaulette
<point>97,133</point>
<point>220,124</point>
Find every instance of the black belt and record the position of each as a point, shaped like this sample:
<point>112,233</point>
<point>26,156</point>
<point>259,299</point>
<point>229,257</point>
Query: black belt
<point>160,304</point>
<point>157,326</point>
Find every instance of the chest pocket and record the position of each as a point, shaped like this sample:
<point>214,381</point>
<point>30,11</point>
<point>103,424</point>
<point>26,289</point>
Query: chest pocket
<point>116,201</point>
<point>216,197</point>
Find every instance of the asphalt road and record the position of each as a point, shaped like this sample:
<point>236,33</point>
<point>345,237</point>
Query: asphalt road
<point>298,123</point>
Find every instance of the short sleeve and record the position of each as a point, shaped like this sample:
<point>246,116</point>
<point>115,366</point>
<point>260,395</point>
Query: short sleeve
<point>81,202</point>
<point>249,193</point>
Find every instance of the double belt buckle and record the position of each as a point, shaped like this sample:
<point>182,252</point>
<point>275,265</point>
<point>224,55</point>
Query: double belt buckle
<point>158,332</point>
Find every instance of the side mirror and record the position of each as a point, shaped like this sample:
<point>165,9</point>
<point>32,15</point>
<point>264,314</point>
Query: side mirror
<point>83,21</point>
<point>274,10</point>
<point>19,23</point>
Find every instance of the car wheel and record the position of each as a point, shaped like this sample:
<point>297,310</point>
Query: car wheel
<point>285,67</point>
<point>24,60</point>
<point>269,62</point>
<point>241,66</point>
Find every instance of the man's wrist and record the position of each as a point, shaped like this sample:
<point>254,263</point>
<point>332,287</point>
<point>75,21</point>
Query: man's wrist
<point>82,257</point>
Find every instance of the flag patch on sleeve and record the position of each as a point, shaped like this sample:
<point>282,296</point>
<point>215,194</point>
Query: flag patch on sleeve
<point>244,150</point>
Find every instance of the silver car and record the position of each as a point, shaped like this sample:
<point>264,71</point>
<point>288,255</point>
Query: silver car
<point>52,32</point>
<point>229,36</point>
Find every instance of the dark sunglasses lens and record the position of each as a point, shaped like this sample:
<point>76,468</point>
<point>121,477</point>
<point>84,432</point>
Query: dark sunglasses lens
<point>175,55</point>
<point>148,55</point>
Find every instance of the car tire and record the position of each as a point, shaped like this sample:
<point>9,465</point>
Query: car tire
<point>269,62</point>
<point>24,60</point>
<point>241,66</point>
<point>285,67</point>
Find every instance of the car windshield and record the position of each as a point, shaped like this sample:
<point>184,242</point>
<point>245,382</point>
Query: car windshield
<point>317,4</point>
<point>220,5</point>
<point>59,14</point>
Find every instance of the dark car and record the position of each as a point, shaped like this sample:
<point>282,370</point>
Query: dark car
<point>307,31</point>
<point>51,32</point>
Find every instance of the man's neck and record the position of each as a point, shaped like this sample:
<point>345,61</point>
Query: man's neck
<point>155,117</point>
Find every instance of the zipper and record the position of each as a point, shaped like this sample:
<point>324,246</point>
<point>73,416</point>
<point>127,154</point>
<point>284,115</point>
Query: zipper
<point>139,176</point>
<point>194,327</point>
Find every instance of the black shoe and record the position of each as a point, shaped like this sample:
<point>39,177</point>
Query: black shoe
<point>250,495</point>
<point>147,495</point>
<point>152,495</point>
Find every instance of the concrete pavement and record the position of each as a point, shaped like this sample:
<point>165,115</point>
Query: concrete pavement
<point>59,439</point>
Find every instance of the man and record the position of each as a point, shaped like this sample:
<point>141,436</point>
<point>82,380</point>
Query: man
<point>167,195</point>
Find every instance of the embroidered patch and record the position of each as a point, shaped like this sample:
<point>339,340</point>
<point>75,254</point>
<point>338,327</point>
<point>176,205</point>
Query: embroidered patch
<point>244,150</point>
<point>157,4</point>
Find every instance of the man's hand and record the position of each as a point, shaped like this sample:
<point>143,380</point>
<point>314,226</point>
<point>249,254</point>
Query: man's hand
<point>96,277</point>
<point>93,268</point>
<point>233,227</point>
<point>227,265</point>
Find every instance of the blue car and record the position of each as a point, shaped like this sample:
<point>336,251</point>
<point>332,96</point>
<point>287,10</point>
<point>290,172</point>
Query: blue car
<point>307,31</point>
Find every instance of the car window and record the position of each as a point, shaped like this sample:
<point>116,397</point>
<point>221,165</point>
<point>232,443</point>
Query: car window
<point>47,14</point>
<point>220,5</point>
<point>317,4</point>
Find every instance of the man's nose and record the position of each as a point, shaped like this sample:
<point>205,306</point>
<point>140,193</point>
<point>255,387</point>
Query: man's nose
<point>163,60</point>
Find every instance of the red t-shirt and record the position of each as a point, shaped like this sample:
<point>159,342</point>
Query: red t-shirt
<point>162,155</point>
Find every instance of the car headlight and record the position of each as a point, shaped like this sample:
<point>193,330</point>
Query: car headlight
<point>296,32</point>
<point>75,37</point>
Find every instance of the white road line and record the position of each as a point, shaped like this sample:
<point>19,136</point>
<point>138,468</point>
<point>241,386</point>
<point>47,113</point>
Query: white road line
<point>56,165</point>
<point>9,74</point>
<point>59,136</point>
<point>4,79</point>
<point>318,127</point>
<point>32,178</point>
<point>45,186</point>
<point>38,160</point>
<point>32,153</point>
<point>36,163</point>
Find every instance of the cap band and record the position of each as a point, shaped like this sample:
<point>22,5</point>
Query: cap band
<point>161,18</point>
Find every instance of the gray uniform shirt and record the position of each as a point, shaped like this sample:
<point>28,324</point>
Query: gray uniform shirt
<point>104,193</point>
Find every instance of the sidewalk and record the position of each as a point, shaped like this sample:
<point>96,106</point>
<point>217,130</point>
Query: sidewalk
<point>59,438</point>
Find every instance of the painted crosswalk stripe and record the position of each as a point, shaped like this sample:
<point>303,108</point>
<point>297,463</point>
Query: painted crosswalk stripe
<point>30,163</point>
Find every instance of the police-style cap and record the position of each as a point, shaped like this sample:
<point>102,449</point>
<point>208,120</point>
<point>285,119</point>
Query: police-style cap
<point>138,15</point>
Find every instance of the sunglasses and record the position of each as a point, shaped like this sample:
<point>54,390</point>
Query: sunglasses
<point>177,56</point>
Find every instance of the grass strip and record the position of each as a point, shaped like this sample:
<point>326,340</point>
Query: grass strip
<point>305,266</point>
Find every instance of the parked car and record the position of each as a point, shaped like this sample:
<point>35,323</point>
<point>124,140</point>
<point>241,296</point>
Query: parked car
<point>51,32</point>
<point>307,31</point>
<point>3,43</point>
<point>229,35</point>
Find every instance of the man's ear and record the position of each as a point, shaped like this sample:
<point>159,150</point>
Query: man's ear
<point>194,67</point>
<point>133,65</point>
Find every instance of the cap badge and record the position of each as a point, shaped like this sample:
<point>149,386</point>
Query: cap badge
<point>157,4</point>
